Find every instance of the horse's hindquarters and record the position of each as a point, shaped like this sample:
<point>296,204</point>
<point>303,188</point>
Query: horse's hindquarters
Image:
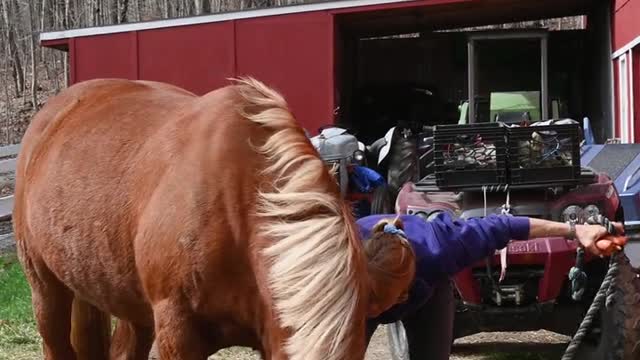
<point>79,185</point>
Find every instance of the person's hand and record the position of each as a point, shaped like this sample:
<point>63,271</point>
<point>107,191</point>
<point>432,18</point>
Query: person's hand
<point>596,239</point>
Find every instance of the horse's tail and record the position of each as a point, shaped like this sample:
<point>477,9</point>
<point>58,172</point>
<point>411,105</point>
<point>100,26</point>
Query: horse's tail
<point>90,331</point>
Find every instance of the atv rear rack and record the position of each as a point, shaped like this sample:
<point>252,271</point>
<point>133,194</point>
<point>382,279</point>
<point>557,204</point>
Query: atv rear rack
<point>492,156</point>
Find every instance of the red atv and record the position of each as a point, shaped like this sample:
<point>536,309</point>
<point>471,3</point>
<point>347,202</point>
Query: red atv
<point>535,171</point>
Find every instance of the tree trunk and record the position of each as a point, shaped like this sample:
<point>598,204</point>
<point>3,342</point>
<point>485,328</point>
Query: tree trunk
<point>95,11</point>
<point>138,10</point>
<point>165,9</point>
<point>124,9</point>
<point>43,17</point>
<point>17,69</point>
<point>56,74</point>
<point>65,65</point>
<point>34,66</point>
<point>67,4</point>
<point>9,105</point>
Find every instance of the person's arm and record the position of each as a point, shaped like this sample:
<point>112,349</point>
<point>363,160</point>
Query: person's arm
<point>588,235</point>
<point>544,228</point>
<point>456,244</point>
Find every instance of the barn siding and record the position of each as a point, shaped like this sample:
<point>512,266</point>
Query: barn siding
<point>104,56</point>
<point>294,54</point>
<point>626,26</point>
<point>199,58</point>
<point>625,33</point>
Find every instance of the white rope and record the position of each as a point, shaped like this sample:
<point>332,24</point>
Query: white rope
<point>484,192</point>
<point>506,210</point>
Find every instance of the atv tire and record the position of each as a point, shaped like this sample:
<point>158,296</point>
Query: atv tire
<point>383,201</point>
<point>621,319</point>
<point>403,162</point>
<point>398,343</point>
<point>619,336</point>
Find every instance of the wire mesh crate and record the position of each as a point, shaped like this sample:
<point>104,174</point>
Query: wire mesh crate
<point>547,154</point>
<point>470,156</point>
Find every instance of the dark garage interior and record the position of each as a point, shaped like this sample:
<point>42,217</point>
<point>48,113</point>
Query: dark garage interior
<point>409,69</point>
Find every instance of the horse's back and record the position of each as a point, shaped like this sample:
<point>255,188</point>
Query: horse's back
<point>109,108</point>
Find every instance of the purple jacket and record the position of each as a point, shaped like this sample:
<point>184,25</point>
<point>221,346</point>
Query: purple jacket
<point>444,246</point>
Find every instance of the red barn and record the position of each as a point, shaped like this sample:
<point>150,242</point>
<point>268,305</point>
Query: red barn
<point>321,55</point>
<point>626,56</point>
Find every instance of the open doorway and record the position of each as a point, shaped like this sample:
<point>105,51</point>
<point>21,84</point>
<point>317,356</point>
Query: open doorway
<point>422,78</point>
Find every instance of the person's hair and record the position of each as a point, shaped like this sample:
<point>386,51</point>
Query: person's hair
<point>390,257</point>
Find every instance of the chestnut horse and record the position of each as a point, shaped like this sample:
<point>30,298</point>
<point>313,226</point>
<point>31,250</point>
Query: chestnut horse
<point>205,222</point>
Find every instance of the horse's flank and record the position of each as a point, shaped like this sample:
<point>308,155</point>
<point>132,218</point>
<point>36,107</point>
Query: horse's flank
<point>138,196</point>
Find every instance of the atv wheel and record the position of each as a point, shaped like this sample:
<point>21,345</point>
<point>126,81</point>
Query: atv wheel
<point>619,335</point>
<point>398,343</point>
<point>403,162</point>
<point>383,201</point>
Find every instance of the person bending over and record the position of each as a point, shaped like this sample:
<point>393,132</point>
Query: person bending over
<point>410,260</point>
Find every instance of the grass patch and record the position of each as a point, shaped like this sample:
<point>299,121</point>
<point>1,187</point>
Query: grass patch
<point>19,339</point>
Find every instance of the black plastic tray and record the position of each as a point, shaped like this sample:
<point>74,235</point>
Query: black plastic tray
<point>544,154</point>
<point>470,155</point>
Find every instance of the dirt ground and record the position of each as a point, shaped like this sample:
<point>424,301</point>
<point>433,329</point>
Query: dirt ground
<point>538,345</point>
<point>377,351</point>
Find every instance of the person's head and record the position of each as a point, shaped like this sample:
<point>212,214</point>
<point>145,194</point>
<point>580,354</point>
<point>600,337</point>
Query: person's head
<point>391,265</point>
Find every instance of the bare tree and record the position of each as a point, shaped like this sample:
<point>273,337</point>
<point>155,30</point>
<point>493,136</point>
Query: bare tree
<point>8,9</point>
<point>123,9</point>
<point>43,15</point>
<point>165,9</point>
<point>34,67</point>
<point>199,6</point>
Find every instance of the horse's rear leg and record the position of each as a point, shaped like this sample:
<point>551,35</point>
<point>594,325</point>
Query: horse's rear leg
<point>51,302</point>
<point>90,331</point>
<point>179,336</point>
<point>131,342</point>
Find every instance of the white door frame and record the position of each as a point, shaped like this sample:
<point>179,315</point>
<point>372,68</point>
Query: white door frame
<point>632,104</point>
<point>624,99</point>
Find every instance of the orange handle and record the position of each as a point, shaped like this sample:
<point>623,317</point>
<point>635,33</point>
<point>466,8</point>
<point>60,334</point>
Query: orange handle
<point>610,243</point>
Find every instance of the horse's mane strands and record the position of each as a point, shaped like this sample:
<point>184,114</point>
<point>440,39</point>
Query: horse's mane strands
<point>311,275</point>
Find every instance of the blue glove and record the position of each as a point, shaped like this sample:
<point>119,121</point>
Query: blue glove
<point>365,179</point>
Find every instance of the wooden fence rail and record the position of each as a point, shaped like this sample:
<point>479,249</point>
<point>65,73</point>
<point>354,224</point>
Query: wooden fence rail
<point>8,156</point>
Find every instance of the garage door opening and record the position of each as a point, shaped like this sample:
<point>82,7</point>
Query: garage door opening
<point>422,78</point>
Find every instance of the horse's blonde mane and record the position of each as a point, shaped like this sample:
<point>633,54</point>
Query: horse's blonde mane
<point>311,270</point>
